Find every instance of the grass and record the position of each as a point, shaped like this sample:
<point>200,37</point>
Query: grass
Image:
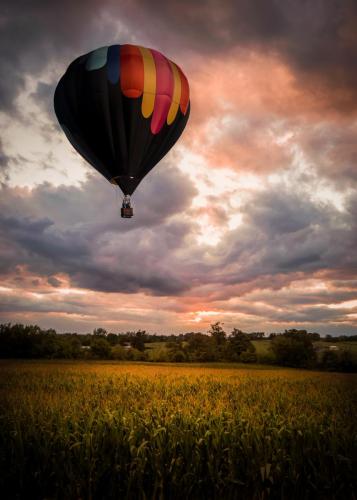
<point>155,345</point>
<point>262,346</point>
<point>151,431</point>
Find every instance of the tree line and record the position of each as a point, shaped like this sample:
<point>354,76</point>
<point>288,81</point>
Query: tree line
<point>294,348</point>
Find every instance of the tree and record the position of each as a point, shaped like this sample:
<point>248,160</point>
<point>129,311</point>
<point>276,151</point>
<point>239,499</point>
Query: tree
<point>99,332</point>
<point>347,362</point>
<point>293,348</point>
<point>218,334</point>
<point>200,347</point>
<point>138,341</point>
<point>112,338</point>
<point>342,361</point>
<point>256,335</point>
<point>175,352</point>
<point>118,352</point>
<point>136,355</point>
<point>100,347</point>
<point>67,346</point>
<point>177,356</point>
<point>248,357</point>
<point>315,337</point>
<point>329,361</point>
<point>238,342</point>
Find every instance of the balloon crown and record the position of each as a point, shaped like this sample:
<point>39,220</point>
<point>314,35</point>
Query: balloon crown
<point>144,72</point>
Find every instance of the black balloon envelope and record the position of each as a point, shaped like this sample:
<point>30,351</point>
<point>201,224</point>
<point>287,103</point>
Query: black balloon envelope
<point>123,107</point>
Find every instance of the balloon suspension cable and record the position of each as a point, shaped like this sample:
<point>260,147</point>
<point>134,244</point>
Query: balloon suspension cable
<point>126,208</point>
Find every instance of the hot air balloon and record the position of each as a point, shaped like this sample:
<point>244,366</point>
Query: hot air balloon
<point>123,107</point>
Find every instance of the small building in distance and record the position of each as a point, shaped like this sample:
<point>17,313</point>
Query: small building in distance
<point>333,348</point>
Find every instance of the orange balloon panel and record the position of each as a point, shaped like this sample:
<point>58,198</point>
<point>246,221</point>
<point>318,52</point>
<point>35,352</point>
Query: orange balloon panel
<point>132,71</point>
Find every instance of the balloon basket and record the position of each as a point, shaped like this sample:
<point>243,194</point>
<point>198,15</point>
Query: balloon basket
<point>127,213</point>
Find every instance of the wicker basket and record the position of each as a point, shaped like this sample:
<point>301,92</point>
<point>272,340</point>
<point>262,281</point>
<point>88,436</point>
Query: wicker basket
<point>126,213</point>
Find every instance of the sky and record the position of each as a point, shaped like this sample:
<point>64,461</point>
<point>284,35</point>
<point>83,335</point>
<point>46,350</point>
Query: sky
<point>250,220</point>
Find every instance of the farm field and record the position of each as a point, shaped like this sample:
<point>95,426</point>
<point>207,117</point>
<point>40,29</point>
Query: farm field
<point>97,430</point>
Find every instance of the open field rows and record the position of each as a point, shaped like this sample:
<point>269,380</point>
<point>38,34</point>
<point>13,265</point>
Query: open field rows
<point>106,430</point>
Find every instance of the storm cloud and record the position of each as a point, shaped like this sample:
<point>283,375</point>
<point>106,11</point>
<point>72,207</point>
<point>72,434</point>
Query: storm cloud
<point>83,236</point>
<point>281,236</point>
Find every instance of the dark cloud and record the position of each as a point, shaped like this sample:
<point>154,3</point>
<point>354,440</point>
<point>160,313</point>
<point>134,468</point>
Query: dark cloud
<point>331,148</point>
<point>53,281</point>
<point>38,34</point>
<point>311,314</point>
<point>163,193</point>
<point>296,314</point>
<point>286,232</point>
<point>307,297</point>
<point>32,304</point>
<point>79,232</point>
<point>283,212</point>
<point>317,38</point>
<point>94,249</point>
<point>4,163</point>
<point>43,96</point>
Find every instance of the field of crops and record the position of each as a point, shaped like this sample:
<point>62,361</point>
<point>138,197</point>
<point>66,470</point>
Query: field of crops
<point>144,431</point>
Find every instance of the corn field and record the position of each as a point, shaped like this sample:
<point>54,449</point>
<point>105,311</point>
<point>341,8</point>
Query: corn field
<point>137,431</point>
